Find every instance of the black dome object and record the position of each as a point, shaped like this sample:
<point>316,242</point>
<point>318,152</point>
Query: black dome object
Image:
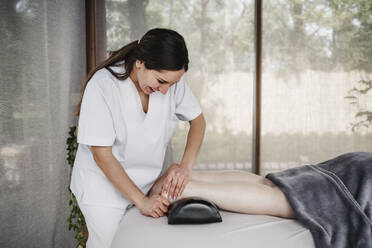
<point>193,210</point>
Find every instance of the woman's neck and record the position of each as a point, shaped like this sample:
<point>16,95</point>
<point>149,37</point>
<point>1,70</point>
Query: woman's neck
<point>133,77</point>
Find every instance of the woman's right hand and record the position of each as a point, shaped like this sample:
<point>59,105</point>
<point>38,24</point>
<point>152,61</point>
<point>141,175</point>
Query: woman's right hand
<point>155,206</point>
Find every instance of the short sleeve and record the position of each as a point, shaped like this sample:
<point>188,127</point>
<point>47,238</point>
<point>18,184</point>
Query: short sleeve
<point>95,121</point>
<point>187,106</point>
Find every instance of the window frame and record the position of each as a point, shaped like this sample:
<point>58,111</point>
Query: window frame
<point>96,47</point>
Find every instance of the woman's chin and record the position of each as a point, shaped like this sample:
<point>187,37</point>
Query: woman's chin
<point>149,90</point>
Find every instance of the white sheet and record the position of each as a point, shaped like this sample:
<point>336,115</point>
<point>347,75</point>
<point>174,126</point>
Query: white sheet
<point>235,230</point>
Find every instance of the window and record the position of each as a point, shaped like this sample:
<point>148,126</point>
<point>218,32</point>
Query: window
<point>313,55</point>
<point>219,37</point>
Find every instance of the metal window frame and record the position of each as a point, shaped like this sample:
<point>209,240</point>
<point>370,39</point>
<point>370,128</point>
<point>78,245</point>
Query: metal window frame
<point>96,48</point>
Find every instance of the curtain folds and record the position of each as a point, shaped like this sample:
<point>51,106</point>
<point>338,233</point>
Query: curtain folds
<point>41,71</point>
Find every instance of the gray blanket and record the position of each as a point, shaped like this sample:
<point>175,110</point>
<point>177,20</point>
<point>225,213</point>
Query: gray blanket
<point>332,199</point>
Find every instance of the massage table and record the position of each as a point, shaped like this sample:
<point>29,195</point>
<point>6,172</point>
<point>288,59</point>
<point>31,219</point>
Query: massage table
<point>235,230</point>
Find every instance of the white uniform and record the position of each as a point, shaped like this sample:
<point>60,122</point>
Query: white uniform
<point>112,115</point>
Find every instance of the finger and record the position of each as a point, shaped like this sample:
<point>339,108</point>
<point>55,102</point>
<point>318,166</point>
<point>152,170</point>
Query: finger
<point>169,185</point>
<point>187,180</point>
<point>165,201</point>
<point>159,212</point>
<point>172,187</point>
<point>153,214</point>
<point>166,184</point>
<point>163,208</point>
<point>178,187</point>
<point>183,188</point>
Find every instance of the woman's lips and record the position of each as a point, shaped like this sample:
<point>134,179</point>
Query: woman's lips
<point>151,89</point>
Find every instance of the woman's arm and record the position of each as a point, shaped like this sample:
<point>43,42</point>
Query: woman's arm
<point>178,177</point>
<point>116,174</point>
<point>194,141</point>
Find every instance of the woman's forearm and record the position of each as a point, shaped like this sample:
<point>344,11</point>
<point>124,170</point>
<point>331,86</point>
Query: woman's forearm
<point>116,174</point>
<point>194,141</point>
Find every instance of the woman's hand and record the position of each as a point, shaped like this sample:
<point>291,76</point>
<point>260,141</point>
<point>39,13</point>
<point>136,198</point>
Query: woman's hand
<point>154,206</point>
<point>177,177</point>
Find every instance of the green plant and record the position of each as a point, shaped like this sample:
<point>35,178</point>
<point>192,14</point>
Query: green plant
<point>363,116</point>
<point>76,219</point>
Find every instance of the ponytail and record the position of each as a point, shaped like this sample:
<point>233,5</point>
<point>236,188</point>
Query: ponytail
<point>114,58</point>
<point>159,49</point>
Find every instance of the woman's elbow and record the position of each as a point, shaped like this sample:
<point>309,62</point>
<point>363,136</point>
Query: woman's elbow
<point>199,121</point>
<point>202,121</point>
<point>101,153</point>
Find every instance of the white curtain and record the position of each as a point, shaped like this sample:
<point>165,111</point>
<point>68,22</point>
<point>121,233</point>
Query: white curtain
<point>42,66</point>
<point>315,54</point>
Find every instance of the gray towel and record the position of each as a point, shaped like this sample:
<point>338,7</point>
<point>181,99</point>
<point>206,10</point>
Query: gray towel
<point>333,199</point>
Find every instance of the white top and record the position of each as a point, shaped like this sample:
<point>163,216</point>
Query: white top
<point>111,114</point>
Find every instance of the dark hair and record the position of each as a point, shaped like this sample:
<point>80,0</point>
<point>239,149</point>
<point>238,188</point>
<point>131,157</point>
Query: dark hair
<point>159,49</point>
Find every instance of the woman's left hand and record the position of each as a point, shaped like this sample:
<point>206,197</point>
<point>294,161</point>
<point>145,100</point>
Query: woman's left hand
<point>176,180</point>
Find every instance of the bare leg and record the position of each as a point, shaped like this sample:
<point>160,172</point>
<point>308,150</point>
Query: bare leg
<point>228,175</point>
<point>242,197</point>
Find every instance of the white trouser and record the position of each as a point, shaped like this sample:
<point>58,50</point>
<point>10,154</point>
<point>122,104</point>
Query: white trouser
<point>102,223</point>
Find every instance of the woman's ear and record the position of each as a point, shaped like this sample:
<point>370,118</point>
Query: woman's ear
<point>139,64</point>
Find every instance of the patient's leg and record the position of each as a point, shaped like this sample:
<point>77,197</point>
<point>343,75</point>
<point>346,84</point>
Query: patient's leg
<point>242,197</point>
<point>228,175</point>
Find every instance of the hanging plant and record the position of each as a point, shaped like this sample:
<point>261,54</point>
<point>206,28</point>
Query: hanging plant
<point>76,219</point>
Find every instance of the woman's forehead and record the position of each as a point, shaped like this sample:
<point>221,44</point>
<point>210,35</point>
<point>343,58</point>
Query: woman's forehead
<point>169,76</point>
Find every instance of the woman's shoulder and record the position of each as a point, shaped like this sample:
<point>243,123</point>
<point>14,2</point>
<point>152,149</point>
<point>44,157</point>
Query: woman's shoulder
<point>105,73</point>
<point>104,79</point>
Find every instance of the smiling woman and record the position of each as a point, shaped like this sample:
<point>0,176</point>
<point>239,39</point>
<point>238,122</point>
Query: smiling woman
<point>129,109</point>
<point>149,81</point>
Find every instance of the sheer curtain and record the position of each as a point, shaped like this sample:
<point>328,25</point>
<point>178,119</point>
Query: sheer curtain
<point>315,54</point>
<point>41,71</point>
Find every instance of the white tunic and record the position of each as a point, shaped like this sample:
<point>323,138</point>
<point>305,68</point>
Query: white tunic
<point>112,115</point>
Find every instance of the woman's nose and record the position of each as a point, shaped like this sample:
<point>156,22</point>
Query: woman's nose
<point>164,89</point>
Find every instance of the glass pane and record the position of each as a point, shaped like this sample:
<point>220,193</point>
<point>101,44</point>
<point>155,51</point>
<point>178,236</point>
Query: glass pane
<point>219,37</point>
<point>314,54</point>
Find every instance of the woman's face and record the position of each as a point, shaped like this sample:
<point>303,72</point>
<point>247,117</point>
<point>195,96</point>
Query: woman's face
<point>150,80</point>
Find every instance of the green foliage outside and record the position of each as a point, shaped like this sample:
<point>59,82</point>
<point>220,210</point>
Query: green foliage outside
<point>76,219</point>
<point>298,36</point>
<point>363,116</point>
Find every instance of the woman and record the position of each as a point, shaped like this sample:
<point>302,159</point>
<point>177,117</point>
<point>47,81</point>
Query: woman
<point>130,106</point>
